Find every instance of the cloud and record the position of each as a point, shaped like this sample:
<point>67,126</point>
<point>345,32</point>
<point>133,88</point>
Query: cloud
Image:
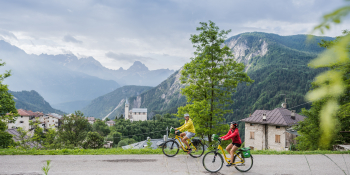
<point>7,34</point>
<point>69,38</point>
<point>127,57</point>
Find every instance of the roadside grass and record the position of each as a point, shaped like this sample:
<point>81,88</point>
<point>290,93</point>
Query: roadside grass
<point>120,151</point>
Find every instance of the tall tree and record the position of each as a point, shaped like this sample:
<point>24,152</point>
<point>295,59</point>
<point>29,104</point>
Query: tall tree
<point>74,129</point>
<point>211,78</point>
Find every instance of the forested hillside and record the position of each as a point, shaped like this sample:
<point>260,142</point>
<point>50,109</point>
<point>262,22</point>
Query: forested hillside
<point>281,70</point>
<point>164,98</point>
<point>112,104</point>
<point>32,100</point>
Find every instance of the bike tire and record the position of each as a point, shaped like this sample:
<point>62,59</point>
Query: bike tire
<point>248,163</point>
<point>170,148</point>
<point>210,158</point>
<point>199,150</point>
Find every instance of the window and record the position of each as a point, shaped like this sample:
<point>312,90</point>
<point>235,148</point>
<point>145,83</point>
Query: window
<point>252,124</point>
<point>251,135</point>
<point>278,138</point>
<point>21,122</point>
<point>278,127</point>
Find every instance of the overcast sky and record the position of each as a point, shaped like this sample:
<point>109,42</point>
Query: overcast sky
<point>117,32</point>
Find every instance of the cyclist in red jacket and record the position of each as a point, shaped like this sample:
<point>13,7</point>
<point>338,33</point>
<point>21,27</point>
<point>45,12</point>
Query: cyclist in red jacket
<point>232,134</point>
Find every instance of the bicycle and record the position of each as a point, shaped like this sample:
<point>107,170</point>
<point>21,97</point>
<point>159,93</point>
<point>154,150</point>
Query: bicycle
<point>171,147</point>
<point>213,161</point>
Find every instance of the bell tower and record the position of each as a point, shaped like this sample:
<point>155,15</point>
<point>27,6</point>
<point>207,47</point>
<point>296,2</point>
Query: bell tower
<point>126,116</point>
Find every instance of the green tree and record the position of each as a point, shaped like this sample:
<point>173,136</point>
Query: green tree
<point>74,129</point>
<point>311,133</point>
<point>101,127</point>
<point>7,105</point>
<point>211,78</point>
<point>330,84</point>
<point>5,138</point>
<point>50,141</point>
<point>23,138</point>
<point>93,140</point>
<point>122,143</point>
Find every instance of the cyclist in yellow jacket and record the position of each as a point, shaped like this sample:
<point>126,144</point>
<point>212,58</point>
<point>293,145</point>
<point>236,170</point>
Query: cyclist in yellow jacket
<point>190,131</point>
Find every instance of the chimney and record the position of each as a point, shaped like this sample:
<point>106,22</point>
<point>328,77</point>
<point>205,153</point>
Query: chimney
<point>284,105</point>
<point>264,117</point>
<point>292,115</point>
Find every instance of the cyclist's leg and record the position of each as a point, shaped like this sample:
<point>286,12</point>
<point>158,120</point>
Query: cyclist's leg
<point>229,147</point>
<point>234,149</point>
<point>184,140</point>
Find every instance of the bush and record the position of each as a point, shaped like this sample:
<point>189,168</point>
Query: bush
<point>93,140</point>
<point>122,143</point>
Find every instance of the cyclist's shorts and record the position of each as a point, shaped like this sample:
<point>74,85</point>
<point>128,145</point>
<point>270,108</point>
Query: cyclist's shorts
<point>189,134</point>
<point>236,144</point>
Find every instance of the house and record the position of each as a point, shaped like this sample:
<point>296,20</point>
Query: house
<point>110,123</point>
<point>91,120</point>
<point>23,119</point>
<point>51,120</point>
<point>266,129</point>
<point>135,114</point>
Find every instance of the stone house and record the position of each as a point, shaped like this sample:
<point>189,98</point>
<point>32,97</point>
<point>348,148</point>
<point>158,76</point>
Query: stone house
<point>266,129</point>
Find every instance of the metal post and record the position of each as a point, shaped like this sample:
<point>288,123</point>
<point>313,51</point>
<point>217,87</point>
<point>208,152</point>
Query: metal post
<point>167,129</point>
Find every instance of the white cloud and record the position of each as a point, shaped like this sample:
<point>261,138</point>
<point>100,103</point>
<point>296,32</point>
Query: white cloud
<point>148,30</point>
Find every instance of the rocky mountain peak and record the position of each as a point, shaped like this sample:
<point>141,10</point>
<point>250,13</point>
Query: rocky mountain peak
<point>138,66</point>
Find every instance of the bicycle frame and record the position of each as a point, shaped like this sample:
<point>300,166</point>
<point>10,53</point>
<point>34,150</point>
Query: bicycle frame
<point>182,144</point>
<point>226,158</point>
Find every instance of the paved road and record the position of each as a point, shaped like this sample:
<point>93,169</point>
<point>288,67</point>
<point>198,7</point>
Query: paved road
<point>181,164</point>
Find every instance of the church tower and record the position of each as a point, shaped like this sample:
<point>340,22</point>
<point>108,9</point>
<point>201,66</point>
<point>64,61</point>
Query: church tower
<point>126,116</point>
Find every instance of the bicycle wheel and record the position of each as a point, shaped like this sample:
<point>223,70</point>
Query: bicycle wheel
<point>197,151</point>
<point>213,161</point>
<point>246,165</point>
<point>170,148</point>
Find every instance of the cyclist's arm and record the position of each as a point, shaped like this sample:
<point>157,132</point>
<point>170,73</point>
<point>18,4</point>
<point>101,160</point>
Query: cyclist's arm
<point>224,137</point>
<point>186,126</point>
<point>232,135</point>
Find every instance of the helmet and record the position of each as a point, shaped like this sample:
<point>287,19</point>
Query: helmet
<point>234,123</point>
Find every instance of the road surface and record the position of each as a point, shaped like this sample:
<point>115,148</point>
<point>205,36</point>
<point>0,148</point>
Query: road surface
<point>160,164</point>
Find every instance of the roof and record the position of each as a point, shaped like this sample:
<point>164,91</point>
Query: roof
<point>139,110</point>
<point>23,112</point>
<point>91,118</point>
<point>55,115</point>
<point>111,122</point>
<point>16,138</point>
<point>278,116</point>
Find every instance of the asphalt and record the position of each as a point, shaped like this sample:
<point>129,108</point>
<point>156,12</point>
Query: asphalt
<point>180,164</point>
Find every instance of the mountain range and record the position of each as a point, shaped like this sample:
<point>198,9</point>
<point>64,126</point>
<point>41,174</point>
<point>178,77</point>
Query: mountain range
<point>69,83</point>
<point>278,64</point>
<point>137,74</point>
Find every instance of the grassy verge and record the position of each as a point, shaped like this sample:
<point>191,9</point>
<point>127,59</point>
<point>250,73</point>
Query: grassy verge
<point>120,151</point>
